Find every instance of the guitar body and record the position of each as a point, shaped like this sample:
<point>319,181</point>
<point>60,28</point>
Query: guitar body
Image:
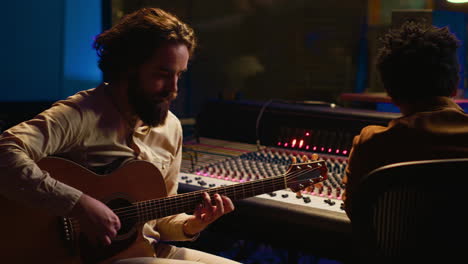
<point>34,236</point>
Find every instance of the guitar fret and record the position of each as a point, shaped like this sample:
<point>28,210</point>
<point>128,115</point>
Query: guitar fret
<point>187,202</point>
<point>147,211</point>
<point>159,207</point>
<point>252,189</point>
<point>153,212</point>
<point>138,212</point>
<point>150,212</point>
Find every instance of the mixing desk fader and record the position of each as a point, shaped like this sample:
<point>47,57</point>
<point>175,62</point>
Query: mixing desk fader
<point>212,163</point>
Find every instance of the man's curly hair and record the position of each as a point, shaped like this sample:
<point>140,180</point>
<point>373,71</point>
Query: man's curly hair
<point>132,41</point>
<point>418,60</point>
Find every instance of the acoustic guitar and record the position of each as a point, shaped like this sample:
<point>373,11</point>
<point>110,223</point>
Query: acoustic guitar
<point>136,193</point>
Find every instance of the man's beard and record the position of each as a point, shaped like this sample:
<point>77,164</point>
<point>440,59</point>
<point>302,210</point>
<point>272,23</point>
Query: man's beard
<point>151,109</point>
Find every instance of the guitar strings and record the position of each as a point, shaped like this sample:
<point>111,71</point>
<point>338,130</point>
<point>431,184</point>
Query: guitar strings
<point>131,212</point>
<point>169,202</point>
<point>227,189</point>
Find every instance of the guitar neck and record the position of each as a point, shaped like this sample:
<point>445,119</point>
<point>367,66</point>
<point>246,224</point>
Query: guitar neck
<point>185,203</point>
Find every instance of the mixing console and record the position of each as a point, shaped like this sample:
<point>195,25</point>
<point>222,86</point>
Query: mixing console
<point>239,141</point>
<point>211,163</point>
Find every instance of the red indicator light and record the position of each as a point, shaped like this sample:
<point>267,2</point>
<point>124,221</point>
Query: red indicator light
<point>314,148</point>
<point>307,134</point>
<point>307,147</point>
<point>279,143</point>
<point>301,143</point>
<point>329,150</point>
<point>322,148</point>
<point>293,143</point>
<point>337,151</point>
<point>345,152</point>
<point>285,144</point>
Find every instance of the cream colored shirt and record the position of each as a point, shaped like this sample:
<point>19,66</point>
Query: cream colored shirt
<point>88,129</point>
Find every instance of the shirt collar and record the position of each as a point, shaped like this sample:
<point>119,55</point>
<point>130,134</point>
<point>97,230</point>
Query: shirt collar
<point>431,104</point>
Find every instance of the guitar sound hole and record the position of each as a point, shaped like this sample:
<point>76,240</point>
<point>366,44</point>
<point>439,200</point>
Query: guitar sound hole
<point>128,215</point>
<point>127,234</point>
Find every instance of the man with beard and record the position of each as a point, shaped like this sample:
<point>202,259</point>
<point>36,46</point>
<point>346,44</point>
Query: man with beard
<point>123,119</point>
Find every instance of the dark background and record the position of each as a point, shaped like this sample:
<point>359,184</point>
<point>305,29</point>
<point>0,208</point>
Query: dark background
<point>294,50</point>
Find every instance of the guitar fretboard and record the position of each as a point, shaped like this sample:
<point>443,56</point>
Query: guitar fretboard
<point>186,203</point>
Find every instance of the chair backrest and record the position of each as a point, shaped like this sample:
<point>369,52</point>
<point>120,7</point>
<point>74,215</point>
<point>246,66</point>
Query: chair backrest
<point>412,210</point>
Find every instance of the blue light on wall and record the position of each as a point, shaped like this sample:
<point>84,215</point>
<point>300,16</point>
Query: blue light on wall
<point>46,49</point>
<point>456,21</point>
<point>82,23</point>
<point>31,47</point>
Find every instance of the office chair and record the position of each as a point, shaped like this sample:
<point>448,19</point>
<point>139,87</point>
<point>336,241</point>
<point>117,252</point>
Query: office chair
<point>412,212</point>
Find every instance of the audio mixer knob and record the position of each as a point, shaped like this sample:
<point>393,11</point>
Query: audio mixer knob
<point>338,192</point>
<point>320,191</point>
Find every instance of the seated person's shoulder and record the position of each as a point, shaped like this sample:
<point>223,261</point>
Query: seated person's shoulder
<point>369,133</point>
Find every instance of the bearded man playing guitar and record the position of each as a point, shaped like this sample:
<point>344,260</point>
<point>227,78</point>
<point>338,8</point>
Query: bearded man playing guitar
<point>126,118</point>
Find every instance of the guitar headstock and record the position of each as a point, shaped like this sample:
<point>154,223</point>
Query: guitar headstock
<point>302,175</point>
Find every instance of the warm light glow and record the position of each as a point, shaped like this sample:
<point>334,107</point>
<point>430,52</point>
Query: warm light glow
<point>301,143</point>
<point>307,134</point>
<point>279,143</point>
<point>457,1</point>
<point>293,143</point>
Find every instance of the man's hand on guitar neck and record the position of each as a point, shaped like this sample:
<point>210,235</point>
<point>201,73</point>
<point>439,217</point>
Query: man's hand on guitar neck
<point>97,221</point>
<point>206,213</point>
